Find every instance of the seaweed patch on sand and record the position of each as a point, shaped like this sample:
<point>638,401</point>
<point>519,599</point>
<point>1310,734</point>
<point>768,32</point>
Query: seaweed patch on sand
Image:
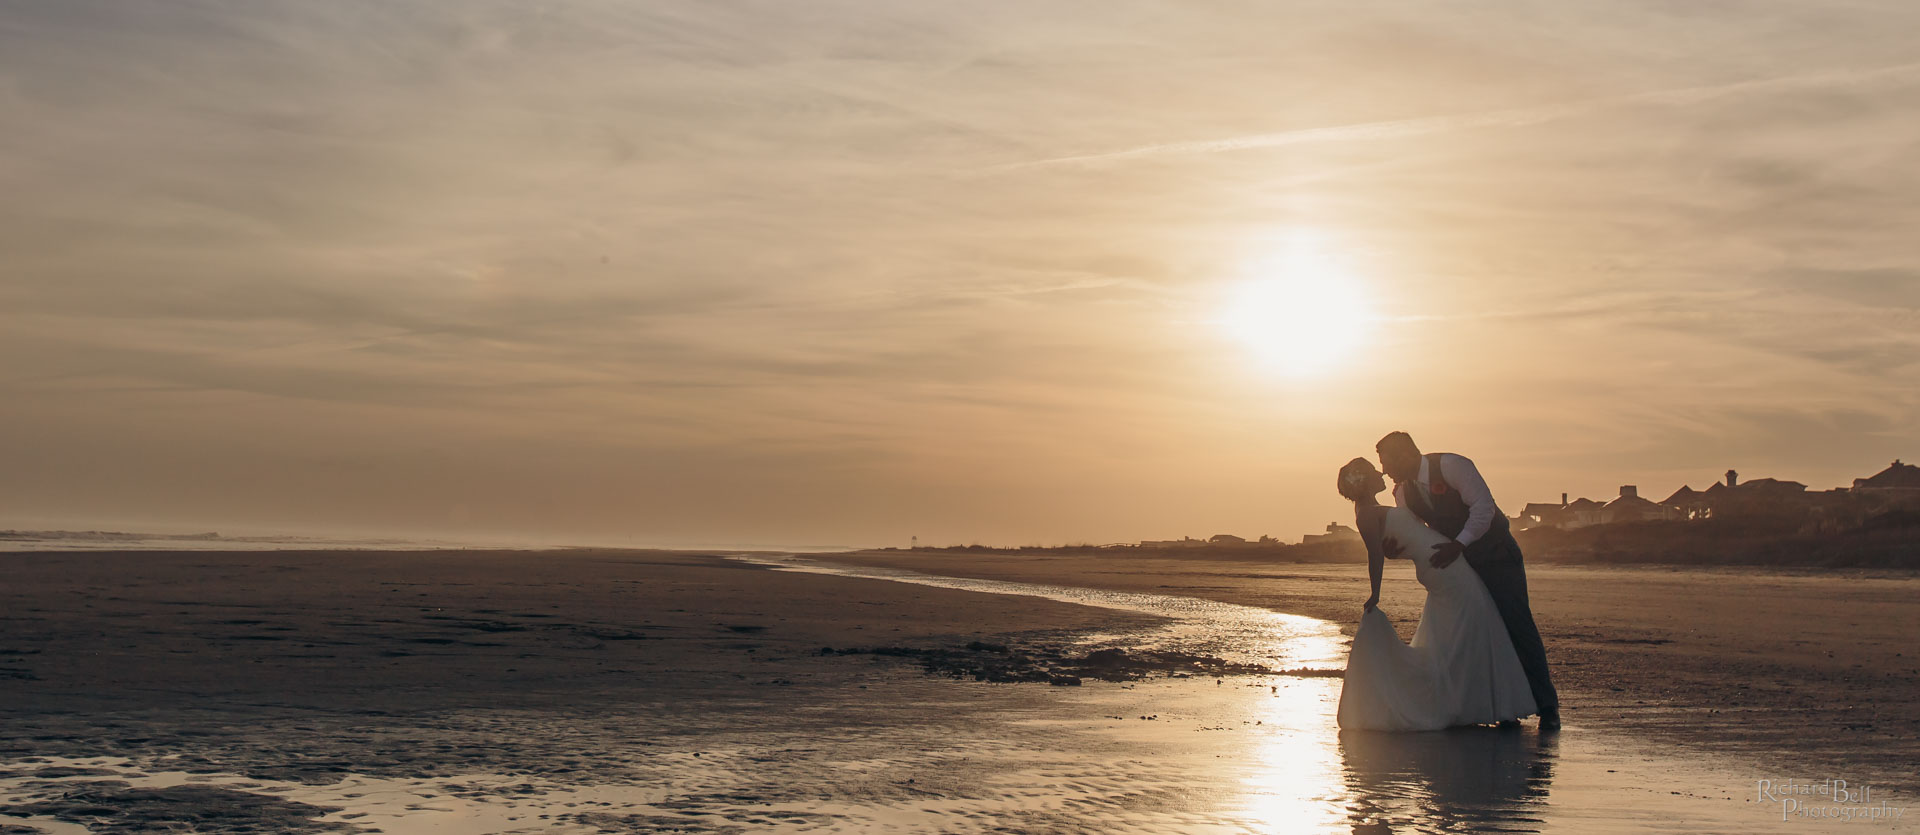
<point>1055,665</point>
<point>114,807</point>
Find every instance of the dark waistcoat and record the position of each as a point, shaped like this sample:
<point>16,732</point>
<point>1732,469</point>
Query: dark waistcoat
<point>1440,506</point>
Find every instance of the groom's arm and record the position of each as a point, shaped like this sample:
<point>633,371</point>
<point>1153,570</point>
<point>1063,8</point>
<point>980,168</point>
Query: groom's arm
<point>1464,477</point>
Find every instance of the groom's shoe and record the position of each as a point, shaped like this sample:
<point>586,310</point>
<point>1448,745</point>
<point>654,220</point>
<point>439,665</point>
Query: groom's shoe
<point>1508,724</point>
<point>1550,721</point>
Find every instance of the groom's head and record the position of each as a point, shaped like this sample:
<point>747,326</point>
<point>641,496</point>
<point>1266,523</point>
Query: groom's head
<point>1399,457</point>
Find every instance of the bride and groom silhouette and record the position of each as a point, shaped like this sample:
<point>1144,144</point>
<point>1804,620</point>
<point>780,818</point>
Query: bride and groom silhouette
<point>1476,657</point>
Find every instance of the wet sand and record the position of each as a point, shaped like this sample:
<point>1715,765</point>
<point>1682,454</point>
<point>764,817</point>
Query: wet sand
<point>389,631</point>
<point>470,692</point>
<point>518,673</point>
<point>1811,672</point>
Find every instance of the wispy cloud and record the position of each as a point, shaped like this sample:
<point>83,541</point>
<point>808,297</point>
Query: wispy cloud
<point>1507,118</point>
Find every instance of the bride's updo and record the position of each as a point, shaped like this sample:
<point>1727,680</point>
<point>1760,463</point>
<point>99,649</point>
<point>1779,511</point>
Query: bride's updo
<point>1354,477</point>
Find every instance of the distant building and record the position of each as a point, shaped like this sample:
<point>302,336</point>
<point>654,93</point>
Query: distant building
<point>1733,496</point>
<point>1225,539</point>
<point>1896,477</point>
<point>1629,507</point>
<point>1686,503</point>
<point>1893,490</point>
<point>1336,532</point>
<point>1582,512</point>
<point>1542,515</point>
<point>1183,542</point>
<point>1770,488</point>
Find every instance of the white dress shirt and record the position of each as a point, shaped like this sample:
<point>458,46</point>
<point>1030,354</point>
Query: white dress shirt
<point>1463,476</point>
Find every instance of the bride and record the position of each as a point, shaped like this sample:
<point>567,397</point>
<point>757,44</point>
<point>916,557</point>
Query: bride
<point>1461,668</point>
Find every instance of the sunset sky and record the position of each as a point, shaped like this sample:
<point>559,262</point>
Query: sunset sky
<point>1023,272</point>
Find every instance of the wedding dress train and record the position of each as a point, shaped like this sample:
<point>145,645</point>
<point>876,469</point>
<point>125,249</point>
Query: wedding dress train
<point>1461,668</point>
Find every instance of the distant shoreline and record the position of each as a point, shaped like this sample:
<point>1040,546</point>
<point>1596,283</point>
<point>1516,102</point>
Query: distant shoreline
<point>111,540</point>
<point>1743,542</point>
<point>1679,543</point>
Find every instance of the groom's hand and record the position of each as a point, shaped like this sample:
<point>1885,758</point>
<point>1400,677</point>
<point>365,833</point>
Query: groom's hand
<point>1391,547</point>
<point>1445,553</point>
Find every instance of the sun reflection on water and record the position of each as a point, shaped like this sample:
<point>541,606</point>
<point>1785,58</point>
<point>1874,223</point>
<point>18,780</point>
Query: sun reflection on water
<point>1295,781</point>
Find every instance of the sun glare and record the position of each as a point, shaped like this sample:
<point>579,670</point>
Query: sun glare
<point>1300,312</point>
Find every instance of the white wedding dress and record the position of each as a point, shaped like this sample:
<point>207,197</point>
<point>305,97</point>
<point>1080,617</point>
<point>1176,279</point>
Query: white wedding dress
<point>1461,668</point>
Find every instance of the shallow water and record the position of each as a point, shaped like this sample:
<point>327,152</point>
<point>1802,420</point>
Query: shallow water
<point>1243,634</point>
<point>886,749</point>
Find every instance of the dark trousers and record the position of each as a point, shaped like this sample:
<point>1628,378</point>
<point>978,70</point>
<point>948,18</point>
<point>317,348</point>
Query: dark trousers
<point>1504,573</point>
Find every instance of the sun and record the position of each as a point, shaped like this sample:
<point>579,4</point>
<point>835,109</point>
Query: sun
<point>1300,312</point>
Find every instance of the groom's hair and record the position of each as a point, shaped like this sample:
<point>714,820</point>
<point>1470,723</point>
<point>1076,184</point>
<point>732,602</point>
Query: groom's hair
<point>1394,438</point>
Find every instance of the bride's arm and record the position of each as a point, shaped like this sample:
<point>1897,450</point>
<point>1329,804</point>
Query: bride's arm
<point>1370,530</point>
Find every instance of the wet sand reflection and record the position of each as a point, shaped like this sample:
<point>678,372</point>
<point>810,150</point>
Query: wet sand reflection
<point>1475,779</point>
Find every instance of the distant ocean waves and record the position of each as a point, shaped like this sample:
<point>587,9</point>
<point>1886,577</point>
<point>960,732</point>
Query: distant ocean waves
<point>12,540</point>
<point>126,541</point>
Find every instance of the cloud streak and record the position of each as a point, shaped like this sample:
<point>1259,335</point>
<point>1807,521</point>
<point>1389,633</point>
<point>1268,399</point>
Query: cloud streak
<point>1508,118</point>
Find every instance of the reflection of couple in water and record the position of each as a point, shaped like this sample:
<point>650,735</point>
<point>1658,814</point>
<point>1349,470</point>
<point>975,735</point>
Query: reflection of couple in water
<point>1457,780</point>
<point>1476,657</point>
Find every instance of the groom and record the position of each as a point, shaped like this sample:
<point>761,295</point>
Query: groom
<point>1447,492</point>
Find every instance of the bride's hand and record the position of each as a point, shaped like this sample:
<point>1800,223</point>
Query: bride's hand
<point>1370,604</point>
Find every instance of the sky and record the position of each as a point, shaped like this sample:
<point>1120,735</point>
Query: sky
<point>995,272</point>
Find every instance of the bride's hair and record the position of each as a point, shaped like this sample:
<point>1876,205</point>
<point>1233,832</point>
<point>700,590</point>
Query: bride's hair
<point>1353,479</point>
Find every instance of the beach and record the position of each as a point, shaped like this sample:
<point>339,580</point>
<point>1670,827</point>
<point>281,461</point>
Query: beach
<point>630,691</point>
<point>1814,669</point>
